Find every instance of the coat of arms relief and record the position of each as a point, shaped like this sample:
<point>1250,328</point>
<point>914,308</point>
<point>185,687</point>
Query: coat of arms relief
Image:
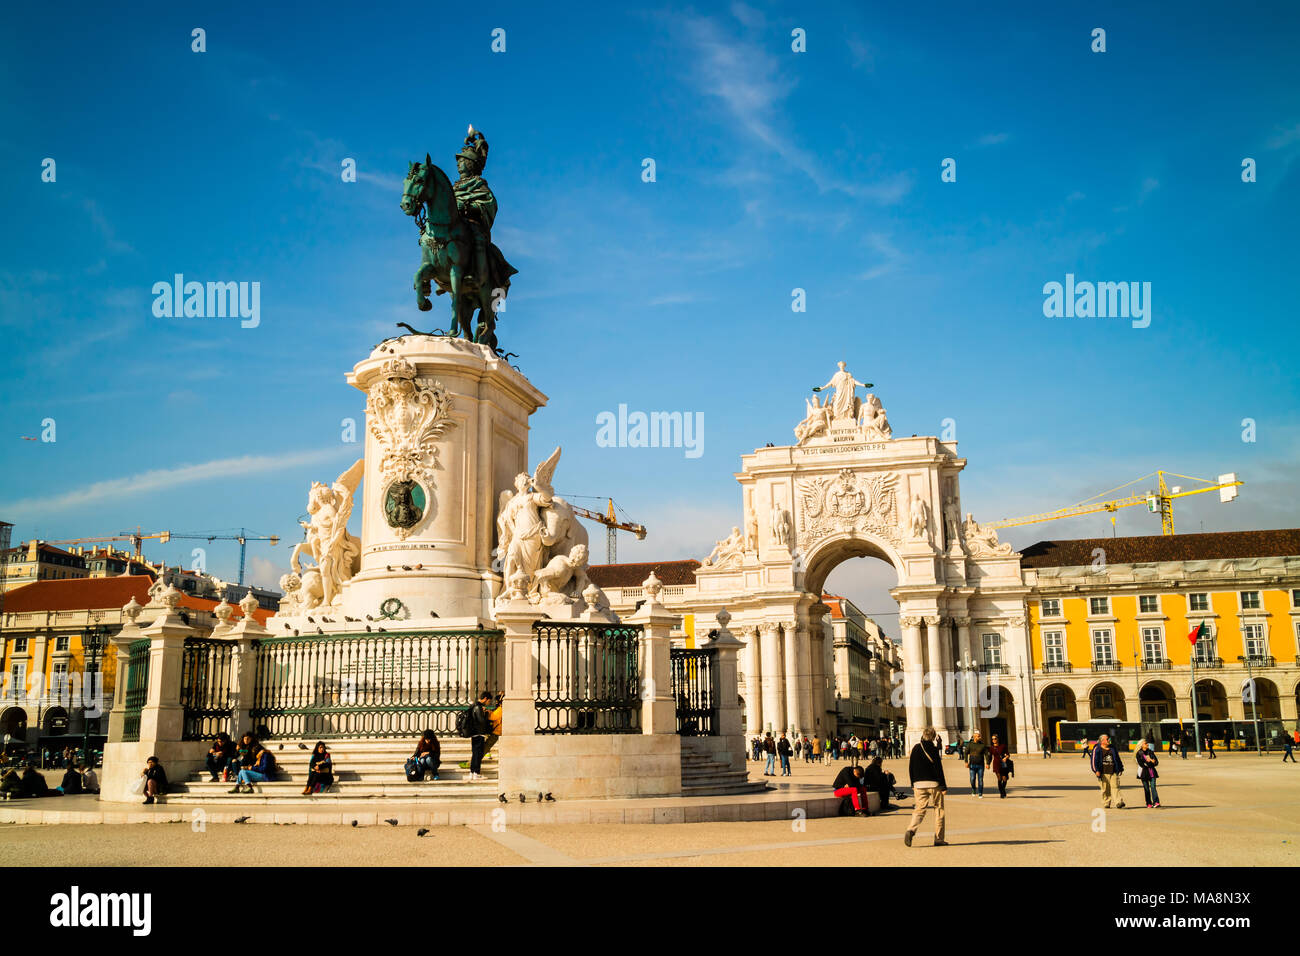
<point>848,502</point>
<point>407,415</point>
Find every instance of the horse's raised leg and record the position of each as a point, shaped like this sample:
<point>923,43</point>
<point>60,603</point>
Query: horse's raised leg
<point>422,288</point>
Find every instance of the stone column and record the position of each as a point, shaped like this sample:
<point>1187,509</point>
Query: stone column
<point>753,683</point>
<point>726,649</point>
<point>791,645</point>
<point>817,655</point>
<point>934,668</point>
<point>773,704</point>
<point>913,681</point>
<point>951,676</point>
<point>963,656</point>
<point>1019,677</point>
<point>805,697</point>
<point>658,709</point>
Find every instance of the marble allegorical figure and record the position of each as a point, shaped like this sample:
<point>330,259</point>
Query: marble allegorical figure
<point>337,553</point>
<point>541,545</point>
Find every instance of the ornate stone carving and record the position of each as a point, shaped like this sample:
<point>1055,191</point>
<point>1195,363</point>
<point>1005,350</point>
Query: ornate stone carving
<point>727,553</point>
<point>931,620</point>
<point>248,605</point>
<point>961,621</point>
<point>848,502</point>
<point>983,541</point>
<point>909,622</point>
<point>407,416</point>
<point>541,547</point>
<point>223,611</point>
<point>751,530</point>
<point>337,553</point>
<point>1016,621</point>
<point>131,610</point>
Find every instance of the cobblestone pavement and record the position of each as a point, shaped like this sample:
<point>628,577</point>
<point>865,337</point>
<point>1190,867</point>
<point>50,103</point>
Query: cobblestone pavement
<point>1238,810</point>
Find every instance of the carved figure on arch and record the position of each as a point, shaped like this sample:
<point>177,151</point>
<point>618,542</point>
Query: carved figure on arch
<point>729,552</point>
<point>874,424</point>
<point>920,518</point>
<point>982,540</point>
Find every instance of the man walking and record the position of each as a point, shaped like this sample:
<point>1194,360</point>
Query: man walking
<point>769,748</point>
<point>926,770</point>
<point>977,756</point>
<point>1209,747</point>
<point>1287,748</point>
<point>1047,745</point>
<point>1107,767</point>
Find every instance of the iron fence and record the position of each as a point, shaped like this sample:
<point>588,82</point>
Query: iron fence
<point>207,701</point>
<point>371,685</point>
<point>137,688</point>
<point>694,689</point>
<point>587,678</point>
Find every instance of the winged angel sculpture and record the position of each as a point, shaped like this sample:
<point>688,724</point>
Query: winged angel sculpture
<point>337,553</point>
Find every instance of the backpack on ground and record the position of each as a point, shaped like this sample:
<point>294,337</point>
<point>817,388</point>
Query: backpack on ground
<point>413,772</point>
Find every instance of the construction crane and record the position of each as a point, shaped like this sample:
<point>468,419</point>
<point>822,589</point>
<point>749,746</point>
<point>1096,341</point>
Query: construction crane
<point>137,539</point>
<point>242,536</point>
<point>612,526</point>
<point>1160,502</point>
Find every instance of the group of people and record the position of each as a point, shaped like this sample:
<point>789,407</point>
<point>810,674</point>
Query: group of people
<point>1107,767</point>
<point>854,783</point>
<point>248,762</point>
<point>31,782</point>
<point>819,749</point>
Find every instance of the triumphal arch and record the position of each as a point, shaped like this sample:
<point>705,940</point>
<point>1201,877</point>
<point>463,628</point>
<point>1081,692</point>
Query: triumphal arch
<point>849,487</point>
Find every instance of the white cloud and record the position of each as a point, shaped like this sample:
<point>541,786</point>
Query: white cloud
<point>165,478</point>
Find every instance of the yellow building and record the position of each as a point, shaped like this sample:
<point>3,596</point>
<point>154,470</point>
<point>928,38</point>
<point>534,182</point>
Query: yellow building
<point>1109,620</point>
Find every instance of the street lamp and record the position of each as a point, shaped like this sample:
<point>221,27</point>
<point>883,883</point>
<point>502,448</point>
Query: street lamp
<point>93,641</point>
<point>1254,691</point>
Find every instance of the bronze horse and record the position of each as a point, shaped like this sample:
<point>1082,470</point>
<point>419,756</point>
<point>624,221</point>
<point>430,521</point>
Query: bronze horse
<point>447,255</point>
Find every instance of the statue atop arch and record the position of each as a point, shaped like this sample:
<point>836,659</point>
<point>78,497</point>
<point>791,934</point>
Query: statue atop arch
<point>843,412</point>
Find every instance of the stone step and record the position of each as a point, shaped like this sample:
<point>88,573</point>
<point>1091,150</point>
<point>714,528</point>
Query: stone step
<point>279,792</point>
<point>734,789</point>
<point>364,764</point>
<point>387,775</point>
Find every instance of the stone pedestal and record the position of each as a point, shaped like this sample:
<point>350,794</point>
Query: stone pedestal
<point>446,433</point>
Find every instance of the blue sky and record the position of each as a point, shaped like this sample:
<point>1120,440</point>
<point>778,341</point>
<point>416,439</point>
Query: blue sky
<point>775,170</point>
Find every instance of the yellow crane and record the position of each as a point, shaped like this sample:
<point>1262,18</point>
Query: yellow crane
<point>612,526</point>
<point>1160,501</point>
<point>136,538</point>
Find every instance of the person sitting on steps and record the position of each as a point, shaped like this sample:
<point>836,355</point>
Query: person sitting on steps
<point>218,762</point>
<point>428,754</point>
<point>259,771</point>
<point>320,770</point>
<point>850,783</point>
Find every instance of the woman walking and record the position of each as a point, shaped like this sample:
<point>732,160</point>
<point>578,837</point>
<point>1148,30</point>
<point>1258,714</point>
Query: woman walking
<point>1001,765</point>
<point>1147,760</point>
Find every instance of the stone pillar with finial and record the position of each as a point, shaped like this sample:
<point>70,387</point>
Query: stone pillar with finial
<point>726,689</point>
<point>658,709</point>
<point>122,641</point>
<point>243,669</point>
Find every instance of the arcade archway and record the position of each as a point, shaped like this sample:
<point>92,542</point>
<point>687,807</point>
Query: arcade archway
<point>1106,702</point>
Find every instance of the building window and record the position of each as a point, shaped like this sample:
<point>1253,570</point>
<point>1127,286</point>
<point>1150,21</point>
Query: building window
<point>59,680</point>
<point>1206,648</point>
<point>1054,698</point>
<point>1256,644</point>
<point>1051,607</point>
<point>1250,600</point>
<point>1054,647</point>
<point>1153,644</point>
<point>1103,648</point>
<point>1148,604</point>
<point>1098,606</point>
<point>1102,699</point>
<point>1203,697</point>
<point>1198,602</point>
<point>992,650</point>
<point>17,680</point>
<point>20,645</point>
<point>61,642</point>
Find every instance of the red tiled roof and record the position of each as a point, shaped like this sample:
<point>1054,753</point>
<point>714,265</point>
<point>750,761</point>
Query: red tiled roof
<point>836,603</point>
<point>84,594</point>
<point>1146,549</point>
<point>671,573</point>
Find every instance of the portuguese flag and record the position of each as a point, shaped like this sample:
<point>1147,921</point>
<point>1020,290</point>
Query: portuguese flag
<point>1198,632</point>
